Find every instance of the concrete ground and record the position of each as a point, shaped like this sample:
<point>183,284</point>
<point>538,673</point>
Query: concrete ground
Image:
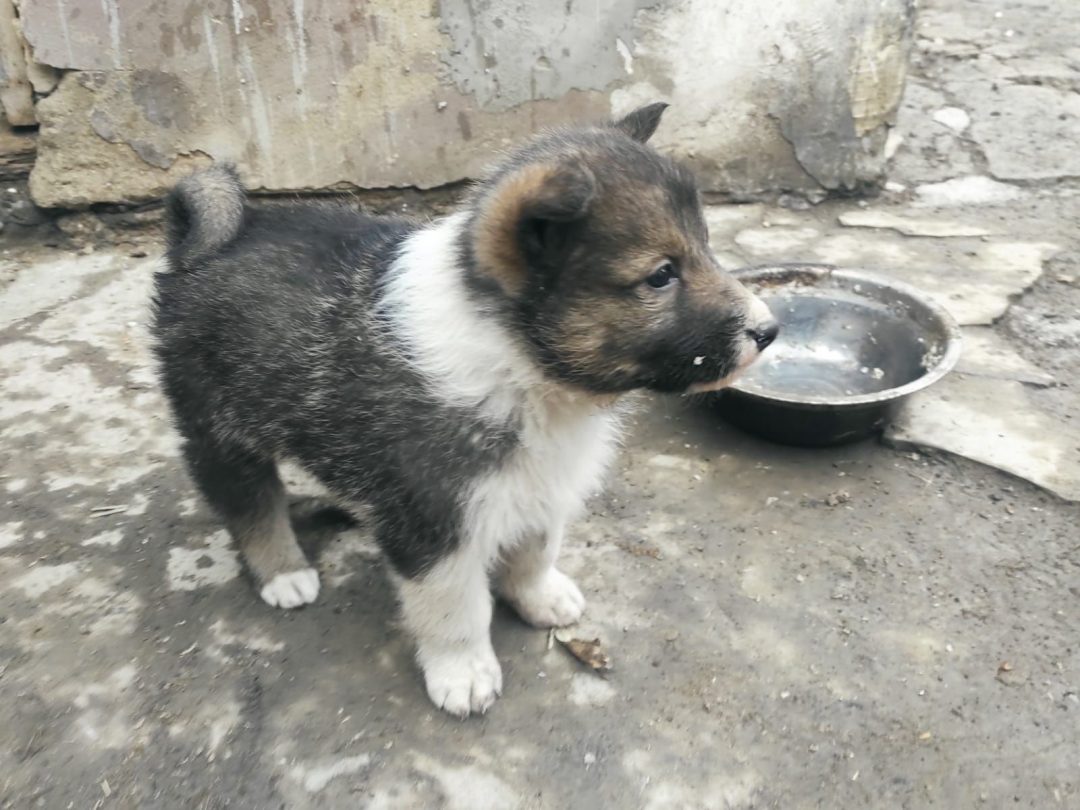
<point>911,645</point>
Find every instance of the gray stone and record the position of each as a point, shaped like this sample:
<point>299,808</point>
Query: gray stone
<point>80,226</point>
<point>910,226</point>
<point>926,152</point>
<point>17,152</point>
<point>776,241</point>
<point>964,191</point>
<point>1008,116</point>
<point>993,422</point>
<point>16,205</point>
<point>16,91</point>
<point>51,282</point>
<point>954,118</point>
<point>987,354</point>
<point>76,168</point>
<point>973,279</point>
<point>725,221</point>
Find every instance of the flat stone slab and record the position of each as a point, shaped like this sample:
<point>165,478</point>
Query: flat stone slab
<point>973,278</point>
<point>1009,116</point>
<point>974,189</point>
<point>50,283</point>
<point>995,423</point>
<point>987,354</point>
<point>954,118</point>
<point>909,226</point>
<point>926,151</point>
<point>776,240</point>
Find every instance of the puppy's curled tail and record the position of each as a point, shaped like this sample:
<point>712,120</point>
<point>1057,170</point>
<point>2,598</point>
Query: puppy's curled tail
<point>204,212</point>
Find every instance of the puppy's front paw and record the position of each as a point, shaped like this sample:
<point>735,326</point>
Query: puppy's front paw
<point>463,681</point>
<point>552,600</point>
<point>292,589</point>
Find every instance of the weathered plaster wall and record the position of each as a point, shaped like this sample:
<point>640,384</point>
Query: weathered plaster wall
<point>20,76</point>
<point>314,94</point>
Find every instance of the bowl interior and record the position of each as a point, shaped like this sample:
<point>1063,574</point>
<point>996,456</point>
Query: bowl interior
<point>844,336</point>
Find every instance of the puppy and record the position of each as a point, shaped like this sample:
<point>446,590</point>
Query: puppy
<point>461,377</point>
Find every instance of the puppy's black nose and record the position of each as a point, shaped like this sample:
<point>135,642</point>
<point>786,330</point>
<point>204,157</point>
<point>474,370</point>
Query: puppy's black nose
<point>764,335</point>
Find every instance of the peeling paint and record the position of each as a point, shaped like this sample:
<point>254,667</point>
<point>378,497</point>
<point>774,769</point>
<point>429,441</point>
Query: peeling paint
<point>823,126</point>
<point>16,90</point>
<point>879,68</point>
<point>530,53</point>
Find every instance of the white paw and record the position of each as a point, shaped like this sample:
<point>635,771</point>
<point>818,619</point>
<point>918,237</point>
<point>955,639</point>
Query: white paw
<point>553,600</point>
<point>463,681</point>
<point>291,590</point>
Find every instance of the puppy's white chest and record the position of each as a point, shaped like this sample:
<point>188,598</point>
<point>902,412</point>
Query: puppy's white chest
<point>558,464</point>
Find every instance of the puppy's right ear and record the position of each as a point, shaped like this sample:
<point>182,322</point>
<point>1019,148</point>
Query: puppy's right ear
<point>642,122</point>
<point>526,215</point>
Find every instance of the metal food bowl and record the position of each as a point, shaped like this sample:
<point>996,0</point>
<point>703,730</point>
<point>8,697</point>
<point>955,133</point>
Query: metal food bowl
<point>851,347</point>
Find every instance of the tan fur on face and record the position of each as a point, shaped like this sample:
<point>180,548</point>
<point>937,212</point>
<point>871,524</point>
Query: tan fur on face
<point>643,213</point>
<point>556,191</point>
<point>497,251</point>
<point>587,329</point>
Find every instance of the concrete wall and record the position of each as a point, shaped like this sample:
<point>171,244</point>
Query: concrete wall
<point>316,94</point>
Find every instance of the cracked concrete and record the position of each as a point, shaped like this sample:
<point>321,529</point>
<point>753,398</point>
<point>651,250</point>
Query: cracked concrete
<point>911,645</point>
<point>993,421</point>
<point>763,641</point>
<point>1005,134</point>
<point>988,354</point>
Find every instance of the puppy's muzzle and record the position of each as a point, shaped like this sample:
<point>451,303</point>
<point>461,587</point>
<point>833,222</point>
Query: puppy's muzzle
<point>762,327</point>
<point>765,335</point>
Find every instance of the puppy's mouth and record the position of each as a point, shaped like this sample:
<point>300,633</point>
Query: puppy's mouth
<point>723,382</point>
<point>746,360</point>
<point>757,337</point>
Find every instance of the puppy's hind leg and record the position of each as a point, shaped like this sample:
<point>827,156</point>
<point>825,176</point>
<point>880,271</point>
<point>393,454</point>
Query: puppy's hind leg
<point>540,593</point>
<point>246,491</point>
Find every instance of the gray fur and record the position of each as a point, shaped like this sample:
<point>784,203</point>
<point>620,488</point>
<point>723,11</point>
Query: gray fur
<point>272,345</point>
<point>205,213</point>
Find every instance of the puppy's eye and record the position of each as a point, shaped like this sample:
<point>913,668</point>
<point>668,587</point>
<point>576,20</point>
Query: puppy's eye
<point>662,276</point>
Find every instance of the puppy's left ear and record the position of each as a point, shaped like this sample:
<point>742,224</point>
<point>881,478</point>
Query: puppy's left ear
<point>526,217</point>
<point>642,122</point>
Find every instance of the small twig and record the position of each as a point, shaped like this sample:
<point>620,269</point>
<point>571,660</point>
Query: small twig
<point>926,481</point>
<point>106,511</point>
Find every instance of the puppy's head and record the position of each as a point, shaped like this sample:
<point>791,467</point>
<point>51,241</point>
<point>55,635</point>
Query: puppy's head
<point>595,249</point>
